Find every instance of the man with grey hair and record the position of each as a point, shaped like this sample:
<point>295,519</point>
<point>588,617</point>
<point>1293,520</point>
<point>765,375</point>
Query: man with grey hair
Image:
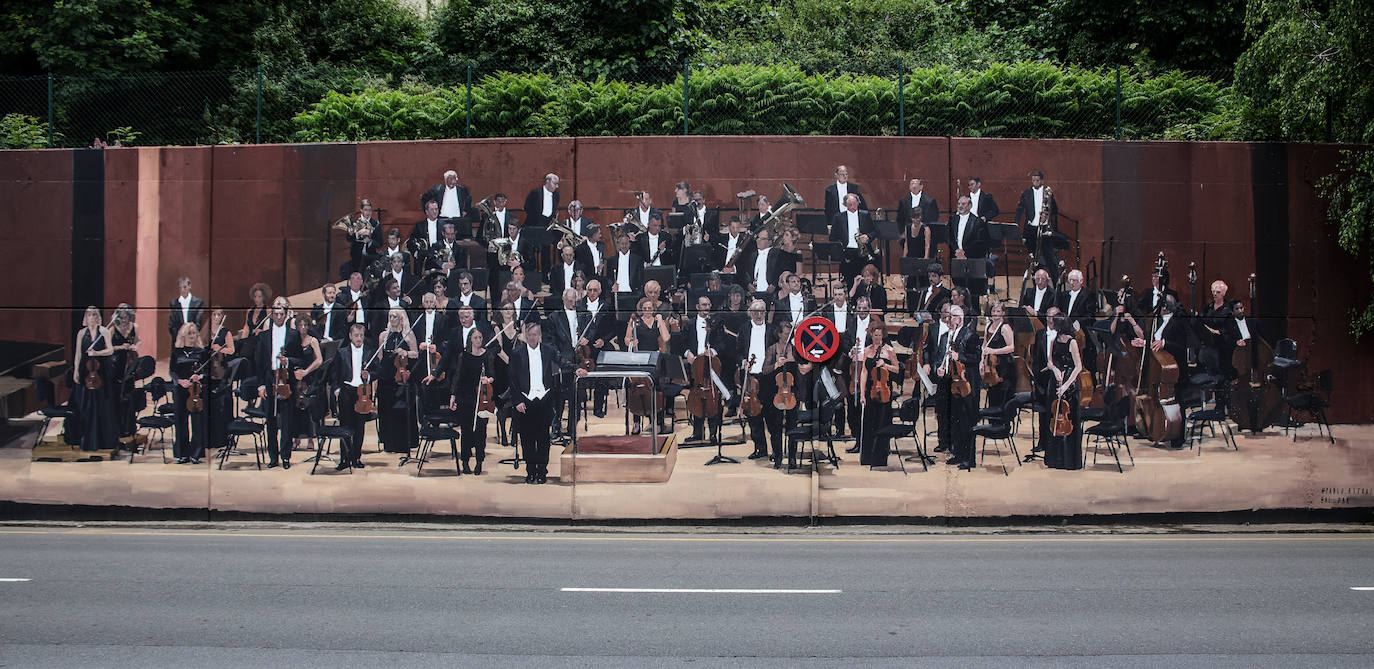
<point>576,222</point>
<point>185,308</point>
<point>541,208</point>
<point>1080,307</point>
<point>453,198</point>
<point>565,327</point>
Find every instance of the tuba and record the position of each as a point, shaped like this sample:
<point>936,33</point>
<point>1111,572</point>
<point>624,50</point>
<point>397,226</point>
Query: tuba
<point>570,238</point>
<point>788,201</point>
<point>692,232</point>
<point>489,226</point>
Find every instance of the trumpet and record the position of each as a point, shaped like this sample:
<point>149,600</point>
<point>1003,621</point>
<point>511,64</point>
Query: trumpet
<point>354,225</point>
<point>866,248</point>
<point>570,238</point>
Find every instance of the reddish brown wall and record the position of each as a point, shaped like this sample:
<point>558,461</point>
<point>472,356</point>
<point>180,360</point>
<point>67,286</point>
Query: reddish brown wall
<point>226,215</point>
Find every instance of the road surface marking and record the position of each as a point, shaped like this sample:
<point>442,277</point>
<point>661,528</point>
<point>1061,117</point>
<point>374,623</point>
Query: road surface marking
<point>1363,588</point>
<point>708,591</point>
<point>14,580</point>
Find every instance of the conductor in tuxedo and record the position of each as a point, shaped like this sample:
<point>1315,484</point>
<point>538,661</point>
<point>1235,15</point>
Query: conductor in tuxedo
<point>354,366</point>
<point>279,340</point>
<point>453,198</point>
<point>836,192</point>
<point>844,227</point>
<point>968,238</point>
<point>532,395</point>
<point>185,308</point>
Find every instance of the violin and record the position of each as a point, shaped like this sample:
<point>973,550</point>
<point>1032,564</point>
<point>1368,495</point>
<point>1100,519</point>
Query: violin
<point>958,382</point>
<point>302,392</point>
<point>364,404</point>
<point>402,367</point>
<point>880,384</point>
<point>585,359</point>
<point>1063,424</point>
<point>749,401</point>
<point>486,402</point>
<point>282,388</point>
<point>194,401</point>
<point>703,401</point>
<point>217,369</point>
<point>432,359</point>
<point>92,379</point>
<point>990,375</point>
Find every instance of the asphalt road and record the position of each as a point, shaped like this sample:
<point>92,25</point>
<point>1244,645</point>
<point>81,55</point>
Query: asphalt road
<point>328,598</point>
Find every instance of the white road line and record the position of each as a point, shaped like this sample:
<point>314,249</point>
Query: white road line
<point>707,591</point>
<point>1363,588</point>
<point>14,580</point>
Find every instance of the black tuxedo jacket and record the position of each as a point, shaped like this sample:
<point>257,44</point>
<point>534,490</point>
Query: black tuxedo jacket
<point>987,206</point>
<point>1149,305</point>
<point>556,282</point>
<point>720,252</point>
<point>1083,308</point>
<point>1051,299</point>
<point>828,313</point>
<point>640,247</point>
<point>262,361</point>
<point>437,193</point>
<point>337,325</point>
<point>1025,209</point>
<point>174,318</point>
<point>1175,336</point>
<point>519,371</point>
<point>421,230</point>
<point>782,308</point>
<point>602,322</point>
<point>344,302</point>
<point>930,211</point>
<point>558,333</point>
<point>534,208</point>
<point>744,267</point>
<point>976,239</point>
<point>746,341</point>
<point>442,322</point>
<point>636,278</point>
<point>839,227</point>
<point>583,256</point>
<point>832,199</point>
<point>457,343</point>
<point>925,301</point>
<point>342,366</point>
<point>689,335</point>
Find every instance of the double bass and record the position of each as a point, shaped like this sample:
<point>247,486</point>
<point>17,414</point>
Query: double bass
<point>703,400</point>
<point>1255,402</point>
<point>1157,414</point>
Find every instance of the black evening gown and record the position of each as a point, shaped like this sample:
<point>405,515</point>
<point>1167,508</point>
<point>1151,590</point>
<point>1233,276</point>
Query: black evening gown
<point>190,428</point>
<point>95,408</point>
<point>1063,452</point>
<point>396,423</point>
<point>873,451</point>
<point>303,414</point>
<point>122,383</point>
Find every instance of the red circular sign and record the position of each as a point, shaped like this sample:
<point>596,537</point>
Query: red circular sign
<point>816,339</point>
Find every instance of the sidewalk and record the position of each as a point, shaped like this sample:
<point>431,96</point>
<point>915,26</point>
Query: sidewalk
<point>1268,472</point>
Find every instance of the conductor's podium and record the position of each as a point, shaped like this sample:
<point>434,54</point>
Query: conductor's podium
<point>619,459</point>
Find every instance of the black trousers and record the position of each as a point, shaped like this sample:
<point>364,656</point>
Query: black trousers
<point>278,427</point>
<point>533,428</point>
<point>356,423</point>
<point>474,439</point>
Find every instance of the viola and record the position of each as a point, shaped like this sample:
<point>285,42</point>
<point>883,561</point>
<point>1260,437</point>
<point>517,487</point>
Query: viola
<point>282,388</point>
<point>402,367</point>
<point>786,397</point>
<point>195,402</point>
<point>703,400</point>
<point>364,404</point>
<point>1063,424</point>
<point>92,378</point>
<point>585,359</point>
<point>749,401</point>
<point>958,383</point>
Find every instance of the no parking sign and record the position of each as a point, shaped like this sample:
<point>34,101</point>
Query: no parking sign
<point>816,339</point>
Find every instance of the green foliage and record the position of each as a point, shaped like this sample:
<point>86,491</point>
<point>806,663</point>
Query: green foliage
<point>20,131</point>
<point>1021,100</point>
<point>1350,196</point>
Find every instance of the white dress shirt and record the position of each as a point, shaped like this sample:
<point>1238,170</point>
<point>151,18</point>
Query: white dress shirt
<point>594,306</point>
<point>465,299</point>
<point>1038,193</point>
<point>571,315</point>
<point>328,311</point>
<point>797,306</point>
<point>842,318</point>
<point>278,343</point>
<point>756,348</point>
<point>575,224</point>
<point>851,229</point>
<point>356,354</point>
<point>450,208</point>
<point>357,299</point>
<point>959,237</point>
<point>429,327</point>
<point>1040,296</point>
<point>622,275</point>
<point>842,190</point>
<point>973,200</point>
<point>548,203</point>
<point>644,217</point>
<point>1163,322</point>
<point>500,215</point>
<point>568,271</point>
<point>653,249</point>
<point>1073,297</point>
<point>185,308</point>
<point>432,230</point>
<point>537,389</point>
<point>1050,336</point>
<point>761,270</point>
<point>596,254</point>
<point>731,245</point>
<point>861,330</point>
<point>1244,329</point>
<point>701,336</point>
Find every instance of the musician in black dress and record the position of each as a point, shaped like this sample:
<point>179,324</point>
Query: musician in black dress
<point>187,369</point>
<point>913,212</point>
<point>509,333</point>
<point>1217,348</point>
<point>874,413</point>
<point>92,403</point>
<point>255,320</point>
<point>468,372</point>
<point>220,398</point>
<point>1057,362</point>
<point>306,408</point>
<point>648,331</point>
<point>124,338</point>
<point>998,341</point>
<point>396,424</point>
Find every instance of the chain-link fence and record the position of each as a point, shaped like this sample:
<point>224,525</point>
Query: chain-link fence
<point>1012,100</point>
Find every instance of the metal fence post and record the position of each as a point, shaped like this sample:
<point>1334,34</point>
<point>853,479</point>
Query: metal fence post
<point>259,122</point>
<point>686,98</point>
<point>1118,103</point>
<point>901,97</point>
<point>50,110</point>
<point>469,102</point>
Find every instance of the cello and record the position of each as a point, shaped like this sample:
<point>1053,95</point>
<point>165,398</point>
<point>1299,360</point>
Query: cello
<point>749,404</point>
<point>703,400</point>
<point>1255,404</point>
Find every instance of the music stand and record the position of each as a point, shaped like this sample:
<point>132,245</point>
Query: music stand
<point>964,270</point>
<point>1000,233</point>
<point>813,224</point>
<point>480,277</point>
<point>697,282</point>
<point>675,220</point>
<point>830,252</point>
<point>696,259</point>
<point>665,275</point>
<point>625,306</point>
<point>887,231</point>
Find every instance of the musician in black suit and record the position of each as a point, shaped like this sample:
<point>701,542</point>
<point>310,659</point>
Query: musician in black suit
<point>591,254</point>
<point>981,203</point>
<point>1028,215</point>
<point>1079,307</point>
<point>432,337</point>
<point>701,336</point>
<point>279,339</point>
<point>1038,297</point>
<point>352,302</point>
<point>597,333</point>
<point>566,270</point>
<point>467,297</point>
<point>963,344</point>
<point>387,297</point>
<point>656,246</point>
<point>707,218</point>
<point>1168,332</point>
<point>541,205</point>
<point>928,300</point>
<point>185,308</point>
<point>642,213</point>
<point>467,322</point>
<point>916,236</point>
<point>761,266</point>
<point>533,394</point>
<point>968,238</point>
<point>844,226</point>
<point>564,328</point>
<point>792,305</point>
<point>329,320</point>
<point>625,270</point>
<point>522,242</point>
<point>400,271</point>
<point>1151,301</point>
<point>354,365</point>
<point>453,198</point>
<point>733,244</point>
<point>756,340</point>
<point>366,240</point>
<point>836,192</point>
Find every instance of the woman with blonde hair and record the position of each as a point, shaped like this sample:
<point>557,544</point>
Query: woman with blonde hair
<point>124,340</point>
<point>187,369</point>
<point>396,425</point>
<point>92,406</point>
